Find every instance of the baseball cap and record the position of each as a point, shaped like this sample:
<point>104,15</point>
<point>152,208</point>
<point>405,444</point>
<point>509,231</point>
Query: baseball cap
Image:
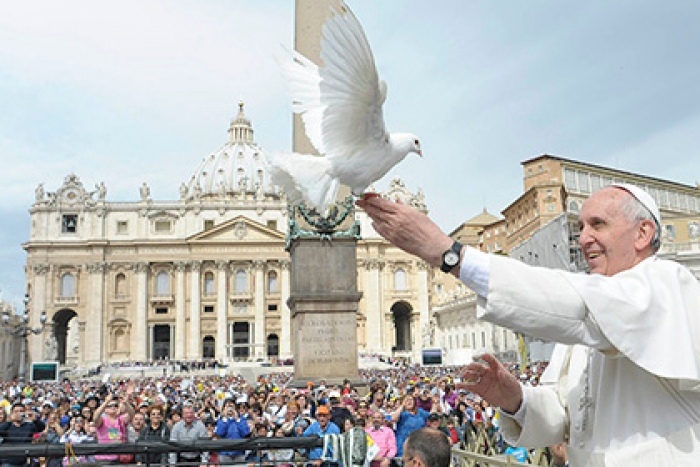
<point>323,410</point>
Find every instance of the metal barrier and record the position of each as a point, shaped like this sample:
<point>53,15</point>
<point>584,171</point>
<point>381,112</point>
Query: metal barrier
<point>479,450</point>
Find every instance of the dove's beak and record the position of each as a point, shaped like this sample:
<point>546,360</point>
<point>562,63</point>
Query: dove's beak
<point>420,153</point>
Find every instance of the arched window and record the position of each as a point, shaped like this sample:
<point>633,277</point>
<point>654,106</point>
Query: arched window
<point>67,285</point>
<point>209,283</point>
<point>163,283</point>
<point>400,279</point>
<point>273,345</point>
<point>120,285</point>
<point>272,282</point>
<point>208,347</point>
<point>241,285</point>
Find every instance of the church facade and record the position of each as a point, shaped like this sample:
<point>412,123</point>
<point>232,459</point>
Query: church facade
<point>205,276</point>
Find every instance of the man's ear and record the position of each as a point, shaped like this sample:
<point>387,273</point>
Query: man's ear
<point>645,234</point>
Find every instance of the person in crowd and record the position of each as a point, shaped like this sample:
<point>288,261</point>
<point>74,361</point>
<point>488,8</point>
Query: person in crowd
<point>174,416</point>
<point>52,435</point>
<point>279,457</point>
<point>77,434</point>
<point>408,417</point>
<point>156,429</point>
<point>615,390</point>
<point>427,447</point>
<point>425,400</point>
<point>18,430</point>
<point>322,426</point>
<point>46,409</point>
<point>143,409</point>
<point>208,410</point>
<point>135,427</point>
<point>86,412</point>
<point>275,408</point>
<point>362,412</point>
<point>252,458</point>
<point>339,413</point>
<point>188,430</point>
<point>111,420</point>
<point>231,426</point>
<point>306,405</point>
<point>292,424</point>
<point>384,438</point>
<point>377,404</point>
<point>434,421</point>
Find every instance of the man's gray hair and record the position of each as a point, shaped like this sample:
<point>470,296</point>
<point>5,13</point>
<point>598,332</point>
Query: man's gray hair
<point>431,445</point>
<point>635,211</point>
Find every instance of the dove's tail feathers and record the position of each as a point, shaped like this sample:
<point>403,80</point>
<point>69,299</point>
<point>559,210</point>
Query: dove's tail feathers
<point>306,178</point>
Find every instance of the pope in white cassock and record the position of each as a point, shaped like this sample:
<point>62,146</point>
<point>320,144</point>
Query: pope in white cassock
<point>625,389</point>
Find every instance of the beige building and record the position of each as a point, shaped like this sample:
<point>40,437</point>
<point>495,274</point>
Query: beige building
<point>202,276</point>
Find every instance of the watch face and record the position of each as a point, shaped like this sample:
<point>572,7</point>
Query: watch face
<point>451,258</point>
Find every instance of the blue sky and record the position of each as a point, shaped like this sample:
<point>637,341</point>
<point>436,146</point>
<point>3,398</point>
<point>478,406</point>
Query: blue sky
<point>132,91</point>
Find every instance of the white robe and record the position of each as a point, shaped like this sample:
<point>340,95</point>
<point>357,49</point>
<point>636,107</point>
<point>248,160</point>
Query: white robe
<point>634,356</point>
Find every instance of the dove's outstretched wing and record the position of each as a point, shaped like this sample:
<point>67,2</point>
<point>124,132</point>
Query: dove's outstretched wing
<point>341,102</point>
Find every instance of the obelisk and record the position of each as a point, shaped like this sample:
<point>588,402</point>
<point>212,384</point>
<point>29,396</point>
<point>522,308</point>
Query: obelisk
<point>323,277</point>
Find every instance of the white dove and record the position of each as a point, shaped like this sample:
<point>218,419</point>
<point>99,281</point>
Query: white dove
<point>341,107</point>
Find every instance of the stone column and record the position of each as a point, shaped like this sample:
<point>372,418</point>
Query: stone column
<point>221,310</point>
<point>150,341</point>
<point>39,299</point>
<point>96,351</point>
<point>374,329</point>
<point>195,347</point>
<point>259,324</point>
<point>139,338</point>
<point>83,342</point>
<point>285,314</point>
<point>180,311</point>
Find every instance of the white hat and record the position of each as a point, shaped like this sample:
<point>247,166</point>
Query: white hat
<point>242,399</point>
<point>644,198</point>
<point>334,394</point>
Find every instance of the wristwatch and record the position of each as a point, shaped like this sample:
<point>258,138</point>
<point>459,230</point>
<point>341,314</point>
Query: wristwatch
<point>450,258</point>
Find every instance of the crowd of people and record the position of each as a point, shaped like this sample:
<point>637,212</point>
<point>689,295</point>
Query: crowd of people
<point>390,406</point>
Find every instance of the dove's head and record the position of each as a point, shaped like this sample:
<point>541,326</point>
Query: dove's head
<point>406,143</point>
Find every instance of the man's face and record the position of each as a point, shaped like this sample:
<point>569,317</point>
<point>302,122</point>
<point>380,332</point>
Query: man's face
<point>139,420</point>
<point>323,419</point>
<point>377,420</point>
<point>17,414</point>
<point>188,414</point>
<point>610,242</point>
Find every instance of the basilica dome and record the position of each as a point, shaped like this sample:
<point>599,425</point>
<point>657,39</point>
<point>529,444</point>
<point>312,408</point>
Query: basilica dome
<point>237,168</point>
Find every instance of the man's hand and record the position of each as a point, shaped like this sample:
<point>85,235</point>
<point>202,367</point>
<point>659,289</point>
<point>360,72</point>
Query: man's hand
<point>407,228</point>
<point>493,382</point>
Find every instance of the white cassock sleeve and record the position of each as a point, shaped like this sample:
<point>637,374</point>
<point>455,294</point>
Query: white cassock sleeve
<point>637,312</point>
